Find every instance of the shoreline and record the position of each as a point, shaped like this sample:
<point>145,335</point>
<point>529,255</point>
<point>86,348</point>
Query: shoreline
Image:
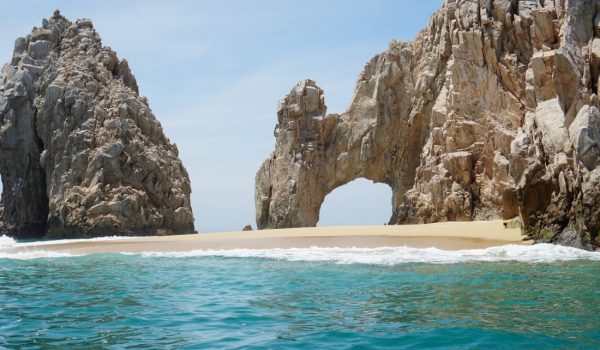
<point>445,236</point>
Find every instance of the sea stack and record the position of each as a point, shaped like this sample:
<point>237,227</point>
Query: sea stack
<point>81,153</point>
<point>492,111</point>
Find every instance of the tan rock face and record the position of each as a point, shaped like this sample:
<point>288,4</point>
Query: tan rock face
<point>81,154</point>
<point>490,112</point>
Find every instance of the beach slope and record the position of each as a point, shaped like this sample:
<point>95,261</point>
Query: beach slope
<point>447,236</point>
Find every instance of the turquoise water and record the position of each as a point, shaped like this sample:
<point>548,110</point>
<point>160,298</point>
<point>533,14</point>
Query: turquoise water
<point>170,302</point>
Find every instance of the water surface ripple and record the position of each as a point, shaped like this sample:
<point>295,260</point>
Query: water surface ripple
<point>131,301</point>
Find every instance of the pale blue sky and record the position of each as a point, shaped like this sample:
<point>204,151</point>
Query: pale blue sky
<point>215,70</point>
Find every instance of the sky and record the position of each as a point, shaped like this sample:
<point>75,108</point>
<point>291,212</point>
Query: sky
<point>214,71</point>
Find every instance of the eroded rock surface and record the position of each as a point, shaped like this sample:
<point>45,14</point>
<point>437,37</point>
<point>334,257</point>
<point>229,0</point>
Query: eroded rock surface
<point>490,112</point>
<point>81,153</point>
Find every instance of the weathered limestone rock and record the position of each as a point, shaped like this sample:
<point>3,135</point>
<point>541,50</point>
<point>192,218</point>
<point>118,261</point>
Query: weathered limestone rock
<point>81,154</point>
<point>317,153</point>
<point>585,137</point>
<point>566,78</point>
<point>491,112</point>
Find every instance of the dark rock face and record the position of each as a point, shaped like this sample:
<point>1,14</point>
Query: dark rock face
<point>491,112</point>
<point>24,197</point>
<point>81,154</point>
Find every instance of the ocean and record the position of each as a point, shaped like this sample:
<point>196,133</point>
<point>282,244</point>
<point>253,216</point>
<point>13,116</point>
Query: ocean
<point>534,297</point>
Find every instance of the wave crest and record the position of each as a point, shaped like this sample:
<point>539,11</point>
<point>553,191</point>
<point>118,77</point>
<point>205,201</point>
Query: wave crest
<point>35,254</point>
<point>540,253</point>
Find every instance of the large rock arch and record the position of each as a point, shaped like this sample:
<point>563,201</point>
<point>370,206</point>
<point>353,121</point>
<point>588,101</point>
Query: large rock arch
<point>318,152</point>
<point>492,111</point>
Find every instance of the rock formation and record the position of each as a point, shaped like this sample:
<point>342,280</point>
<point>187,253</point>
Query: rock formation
<point>490,112</point>
<point>81,154</point>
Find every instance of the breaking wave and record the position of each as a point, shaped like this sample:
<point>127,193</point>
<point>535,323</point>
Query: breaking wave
<point>11,249</point>
<point>7,242</point>
<point>540,253</point>
<point>35,254</point>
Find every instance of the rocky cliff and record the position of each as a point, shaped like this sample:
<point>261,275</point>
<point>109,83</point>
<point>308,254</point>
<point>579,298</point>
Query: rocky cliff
<point>490,112</point>
<point>81,154</point>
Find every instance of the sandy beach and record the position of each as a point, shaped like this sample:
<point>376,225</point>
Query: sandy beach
<point>447,236</point>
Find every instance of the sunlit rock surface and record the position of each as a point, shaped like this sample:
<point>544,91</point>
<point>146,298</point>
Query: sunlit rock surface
<point>81,153</point>
<point>490,112</point>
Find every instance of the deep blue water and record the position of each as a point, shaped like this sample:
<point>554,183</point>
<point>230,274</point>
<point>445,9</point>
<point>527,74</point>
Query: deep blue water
<point>131,301</point>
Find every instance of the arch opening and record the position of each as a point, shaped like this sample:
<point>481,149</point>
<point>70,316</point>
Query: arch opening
<point>358,203</point>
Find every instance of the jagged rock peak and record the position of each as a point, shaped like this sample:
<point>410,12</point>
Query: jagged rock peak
<point>81,153</point>
<point>490,112</point>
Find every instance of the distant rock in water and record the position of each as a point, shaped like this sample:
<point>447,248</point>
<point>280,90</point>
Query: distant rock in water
<point>81,154</point>
<point>490,112</point>
<point>247,228</point>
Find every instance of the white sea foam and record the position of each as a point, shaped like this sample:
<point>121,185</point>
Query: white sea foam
<point>6,242</point>
<point>539,253</point>
<point>65,241</point>
<point>11,249</point>
<point>34,254</point>
<point>9,242</point>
